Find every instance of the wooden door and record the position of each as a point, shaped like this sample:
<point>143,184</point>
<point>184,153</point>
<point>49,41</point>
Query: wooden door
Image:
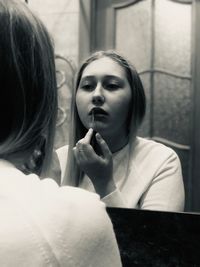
<point>160,38</point>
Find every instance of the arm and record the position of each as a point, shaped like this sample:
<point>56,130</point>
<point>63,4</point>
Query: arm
<point>114,199</point>
<point>66,226</point>
<point>81,231</point>
<point>96,242</point>
<point>166,191</point>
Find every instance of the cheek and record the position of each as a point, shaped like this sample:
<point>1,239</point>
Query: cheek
<point>124,108</point>
<point>81,105</point>
<point>80,102</point>
<point>122,104</point>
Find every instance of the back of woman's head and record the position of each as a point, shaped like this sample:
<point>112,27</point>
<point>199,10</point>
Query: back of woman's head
<point>138,105</point>
<point>28,96</point>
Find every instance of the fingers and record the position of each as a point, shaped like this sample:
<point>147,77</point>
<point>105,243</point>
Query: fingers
<point>88,136</point>
<point>80,157</point>
<point>104,147</point>
<point>84,153</point>
<point>83,146</point>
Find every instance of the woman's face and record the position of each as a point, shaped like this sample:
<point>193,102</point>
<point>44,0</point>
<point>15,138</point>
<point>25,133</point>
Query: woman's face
<point>105,92</point>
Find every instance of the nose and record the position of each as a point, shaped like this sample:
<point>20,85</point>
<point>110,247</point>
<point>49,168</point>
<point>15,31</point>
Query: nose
<point>98,97</point>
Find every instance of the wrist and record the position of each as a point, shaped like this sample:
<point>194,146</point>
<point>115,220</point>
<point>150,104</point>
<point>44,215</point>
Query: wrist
<point>104,189</point>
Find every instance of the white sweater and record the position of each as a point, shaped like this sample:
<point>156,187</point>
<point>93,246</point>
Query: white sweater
<point>147,177</point>
<point>42,224</point>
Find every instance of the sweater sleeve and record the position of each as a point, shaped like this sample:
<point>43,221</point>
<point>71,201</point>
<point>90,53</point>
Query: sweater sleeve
<point>78,228</point>
<point>95,240</point>
<point>114,199</point>
<point>166,191</point>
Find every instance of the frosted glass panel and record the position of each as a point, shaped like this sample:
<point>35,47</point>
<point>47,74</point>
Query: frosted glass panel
<point>64,75</point>
<point>145,127</point>
<point>172,108</point>
<point>173,37</point>
<point>133,33</point>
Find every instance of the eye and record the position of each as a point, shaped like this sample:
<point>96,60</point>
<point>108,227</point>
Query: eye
<point>87,86</point>
<point>111,86</point>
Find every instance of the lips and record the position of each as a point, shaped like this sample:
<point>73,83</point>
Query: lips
<point>98,111</point>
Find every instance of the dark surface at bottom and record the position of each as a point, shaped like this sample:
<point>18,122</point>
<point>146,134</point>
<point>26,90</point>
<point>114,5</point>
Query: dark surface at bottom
<point>157,239</point>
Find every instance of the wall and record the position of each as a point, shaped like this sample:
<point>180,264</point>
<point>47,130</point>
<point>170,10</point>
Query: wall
<point>61,18</point>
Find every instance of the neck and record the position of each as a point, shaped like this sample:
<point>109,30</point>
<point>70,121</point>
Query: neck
<point>117,142</point>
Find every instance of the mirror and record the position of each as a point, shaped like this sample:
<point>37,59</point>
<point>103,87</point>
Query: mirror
<point>160,37</point>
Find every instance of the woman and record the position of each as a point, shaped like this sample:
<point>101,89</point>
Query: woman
<point>41,224</point>
<point>137,173</point>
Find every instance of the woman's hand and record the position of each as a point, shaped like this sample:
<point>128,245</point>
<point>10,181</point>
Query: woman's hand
<point>98,168</point>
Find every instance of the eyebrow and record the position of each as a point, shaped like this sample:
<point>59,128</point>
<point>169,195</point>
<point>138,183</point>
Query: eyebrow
<point>105,77</point>
<point>87,77</point>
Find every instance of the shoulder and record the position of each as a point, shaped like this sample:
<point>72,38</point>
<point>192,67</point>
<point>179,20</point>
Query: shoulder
<point>65,203</point>
<point>64,195</point>
<point>62,224</point>
<point>55,224</point>
<point>148,154</point>
<point>80,226</point>
<point>151,147</point>
<point>70,203</point>
<point>86,209</point>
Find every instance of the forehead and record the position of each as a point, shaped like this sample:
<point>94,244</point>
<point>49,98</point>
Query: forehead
<point>104,66</point>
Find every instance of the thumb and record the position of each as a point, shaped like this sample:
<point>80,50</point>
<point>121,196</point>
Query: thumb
<point>104,147</point>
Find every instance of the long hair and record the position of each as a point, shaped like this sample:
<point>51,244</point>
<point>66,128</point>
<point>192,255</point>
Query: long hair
<point>28,94</point>
<point>135,116</point>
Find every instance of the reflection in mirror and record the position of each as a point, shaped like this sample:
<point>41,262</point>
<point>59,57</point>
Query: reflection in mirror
<point>125,170</point>
<point>160,38</point>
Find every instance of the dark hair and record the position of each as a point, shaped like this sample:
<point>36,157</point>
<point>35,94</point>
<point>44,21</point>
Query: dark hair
<point>28,94</point>
<point>136,114</point>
